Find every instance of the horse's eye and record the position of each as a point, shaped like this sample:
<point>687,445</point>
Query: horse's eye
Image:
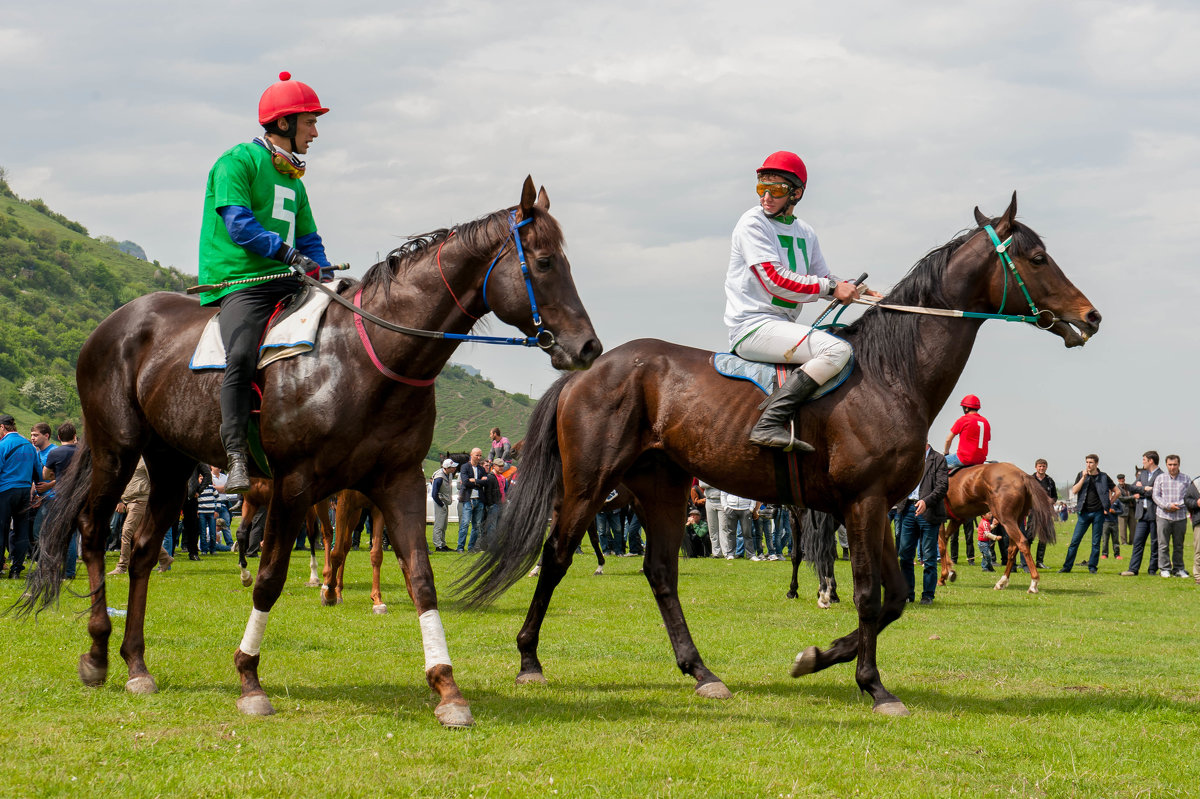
<point>544,264</point>
<point>1039,259</point>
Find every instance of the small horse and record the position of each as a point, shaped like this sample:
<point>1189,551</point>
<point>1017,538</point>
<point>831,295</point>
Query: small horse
<point>337,418</point>
<point>814,536</point>
<point>1013,496</point>
<point>652,414</point>
<point>316,520</point>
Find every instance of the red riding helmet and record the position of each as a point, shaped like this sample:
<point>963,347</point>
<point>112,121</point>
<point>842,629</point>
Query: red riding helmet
<point>786,163</point>
<point>288,97</point>
<point>970,401</point>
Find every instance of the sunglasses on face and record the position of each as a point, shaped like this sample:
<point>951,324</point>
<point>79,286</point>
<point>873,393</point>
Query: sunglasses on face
<point>776,190</point>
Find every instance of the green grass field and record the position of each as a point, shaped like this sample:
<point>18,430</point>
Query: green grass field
<point>1091,688</point>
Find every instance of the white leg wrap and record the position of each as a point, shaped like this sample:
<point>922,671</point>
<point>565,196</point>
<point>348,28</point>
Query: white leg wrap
<point>433,637</point>
<point>252,640</point>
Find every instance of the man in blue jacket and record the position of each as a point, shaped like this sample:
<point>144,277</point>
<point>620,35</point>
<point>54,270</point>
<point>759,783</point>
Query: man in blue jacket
<point>918,517</point>
<point>18,473</point>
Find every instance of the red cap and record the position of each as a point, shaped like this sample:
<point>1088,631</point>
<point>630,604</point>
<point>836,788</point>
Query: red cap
<point>970,401</point>
<point>786,163</point>
<point>288,97</point>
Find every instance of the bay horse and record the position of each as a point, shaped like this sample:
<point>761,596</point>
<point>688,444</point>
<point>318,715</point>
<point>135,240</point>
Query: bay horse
<point>339,417</point>
<point>316,525</point>
<point>1013,496</point>
<point>814,536</point>
<point>652,414</point>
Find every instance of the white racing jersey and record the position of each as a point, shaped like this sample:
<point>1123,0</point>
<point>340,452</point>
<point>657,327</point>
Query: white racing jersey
<point>774,266</point>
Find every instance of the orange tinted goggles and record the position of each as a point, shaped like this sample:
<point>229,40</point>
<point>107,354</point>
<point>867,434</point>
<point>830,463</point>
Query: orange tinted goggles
<point>285,166</point>
<point>776,190</point>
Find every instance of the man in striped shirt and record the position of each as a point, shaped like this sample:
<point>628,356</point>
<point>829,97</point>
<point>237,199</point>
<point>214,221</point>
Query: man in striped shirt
<point>1168,494</point>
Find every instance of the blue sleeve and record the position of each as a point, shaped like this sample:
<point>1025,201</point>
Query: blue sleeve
<point>247,233</point>
<point>311,245</point>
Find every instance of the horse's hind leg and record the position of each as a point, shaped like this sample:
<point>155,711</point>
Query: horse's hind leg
<point>948,530</point>
<point>594,537</point>
<point>566,531</point>
<point>168,484</point>
<point>377,523</point>
<point>663,495</point>
<point>110,473</point>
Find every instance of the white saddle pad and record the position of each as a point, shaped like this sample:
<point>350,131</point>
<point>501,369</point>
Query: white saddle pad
<point>295,335</point>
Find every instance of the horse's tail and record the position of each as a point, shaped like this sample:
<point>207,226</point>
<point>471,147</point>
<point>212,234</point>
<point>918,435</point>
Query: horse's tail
<point>1041,513</point>
<point>70,494</point>
<point>521,528</point>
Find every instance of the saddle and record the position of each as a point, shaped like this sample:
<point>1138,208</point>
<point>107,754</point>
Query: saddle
<point>768,376</point>
<point>292,330</point>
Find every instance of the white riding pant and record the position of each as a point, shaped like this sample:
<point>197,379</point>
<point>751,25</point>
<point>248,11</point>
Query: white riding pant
<point>821,355</point>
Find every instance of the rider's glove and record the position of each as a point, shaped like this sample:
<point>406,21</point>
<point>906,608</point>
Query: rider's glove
<point>301,264</point>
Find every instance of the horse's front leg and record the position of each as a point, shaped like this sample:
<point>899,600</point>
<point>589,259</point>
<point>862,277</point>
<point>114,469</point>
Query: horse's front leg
<point>875,567</point>
<point>349,509</point>
<point>402,501</point>
<point>377,523</point>
<point>283,525</point>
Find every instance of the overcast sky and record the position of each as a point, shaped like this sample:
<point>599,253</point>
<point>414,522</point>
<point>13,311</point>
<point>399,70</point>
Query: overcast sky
<point>645,122</point>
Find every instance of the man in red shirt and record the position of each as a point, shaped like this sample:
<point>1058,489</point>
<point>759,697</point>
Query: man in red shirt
<point>973,431</point>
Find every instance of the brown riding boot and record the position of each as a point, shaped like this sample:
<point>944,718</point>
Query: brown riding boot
<point>239,478</point>
<point>774,427</point>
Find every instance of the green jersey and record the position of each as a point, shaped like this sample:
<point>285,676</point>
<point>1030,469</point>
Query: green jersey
<point>244,176</point>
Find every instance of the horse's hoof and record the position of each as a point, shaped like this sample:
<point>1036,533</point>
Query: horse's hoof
<point>823,603</point>
<point>1001,584</point>
<point>895,708</point>
<point>953,576</point>
<point>327,599</point>
<point>247,579</point>
<point>379,609</point>
<point>312,584</point>
<point>528,677</point>
<point>456,717</point>
<point>792,595</point>
<point>1033,587</point>
<point>143,684</point>
<point>805,663</point>
<point>534,571</point>
<point>255,705</point>
<point>599,571</point>
<point>89,675</point>
<point>713,690</point>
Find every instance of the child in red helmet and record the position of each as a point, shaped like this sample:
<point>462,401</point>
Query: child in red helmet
<point>973,431</point>
<point>257,220</point>
<point>775,266</point>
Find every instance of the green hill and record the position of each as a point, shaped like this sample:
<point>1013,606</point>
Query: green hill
<point>57,283</point>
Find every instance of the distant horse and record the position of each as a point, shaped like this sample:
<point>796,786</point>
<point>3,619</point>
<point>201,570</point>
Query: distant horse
<point>814,536</point>
<point>316,526</point>
<point>337,418</point>
<point>1013,496</point>
<point>651,414</point>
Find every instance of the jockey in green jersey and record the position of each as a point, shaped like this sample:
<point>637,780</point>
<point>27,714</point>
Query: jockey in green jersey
<point>256,220</point>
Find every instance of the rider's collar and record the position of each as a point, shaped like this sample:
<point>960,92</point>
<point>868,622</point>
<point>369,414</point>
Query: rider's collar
<point>285,163</point>
<point>784,219</point>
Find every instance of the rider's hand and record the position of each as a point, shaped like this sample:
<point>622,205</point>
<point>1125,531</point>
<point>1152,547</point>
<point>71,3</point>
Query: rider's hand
<point>845,292</point>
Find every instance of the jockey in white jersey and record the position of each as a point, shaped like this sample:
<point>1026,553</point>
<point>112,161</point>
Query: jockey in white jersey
<point>776,265</point>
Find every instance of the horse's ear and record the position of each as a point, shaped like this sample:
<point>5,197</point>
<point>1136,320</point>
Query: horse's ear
<point>528,196</point>
<point>980,219</point>
<point>1010,215</point>
<point>543,200</point>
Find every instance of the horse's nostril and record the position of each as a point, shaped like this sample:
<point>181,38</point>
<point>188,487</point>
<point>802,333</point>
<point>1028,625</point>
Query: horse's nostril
<point>590,351</point>
<point>1093,317</point>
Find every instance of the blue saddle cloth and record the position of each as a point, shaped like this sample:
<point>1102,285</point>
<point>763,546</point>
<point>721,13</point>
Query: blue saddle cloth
<point>763,375</point>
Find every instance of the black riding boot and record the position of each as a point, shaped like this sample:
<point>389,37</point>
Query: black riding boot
<point>774,427</point>
<point>238,481</point>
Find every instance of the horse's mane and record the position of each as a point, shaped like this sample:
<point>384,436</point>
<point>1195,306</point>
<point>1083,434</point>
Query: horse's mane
<point>479,237</point>
<point>885,341</point>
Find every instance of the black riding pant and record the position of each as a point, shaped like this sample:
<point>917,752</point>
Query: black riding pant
<point>244,315</point>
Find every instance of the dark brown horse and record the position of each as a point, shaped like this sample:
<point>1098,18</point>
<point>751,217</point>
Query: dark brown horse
<point>651,414</point>
<point>330,420</point>
<point>316,527</point>
<point>1013,496</point>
